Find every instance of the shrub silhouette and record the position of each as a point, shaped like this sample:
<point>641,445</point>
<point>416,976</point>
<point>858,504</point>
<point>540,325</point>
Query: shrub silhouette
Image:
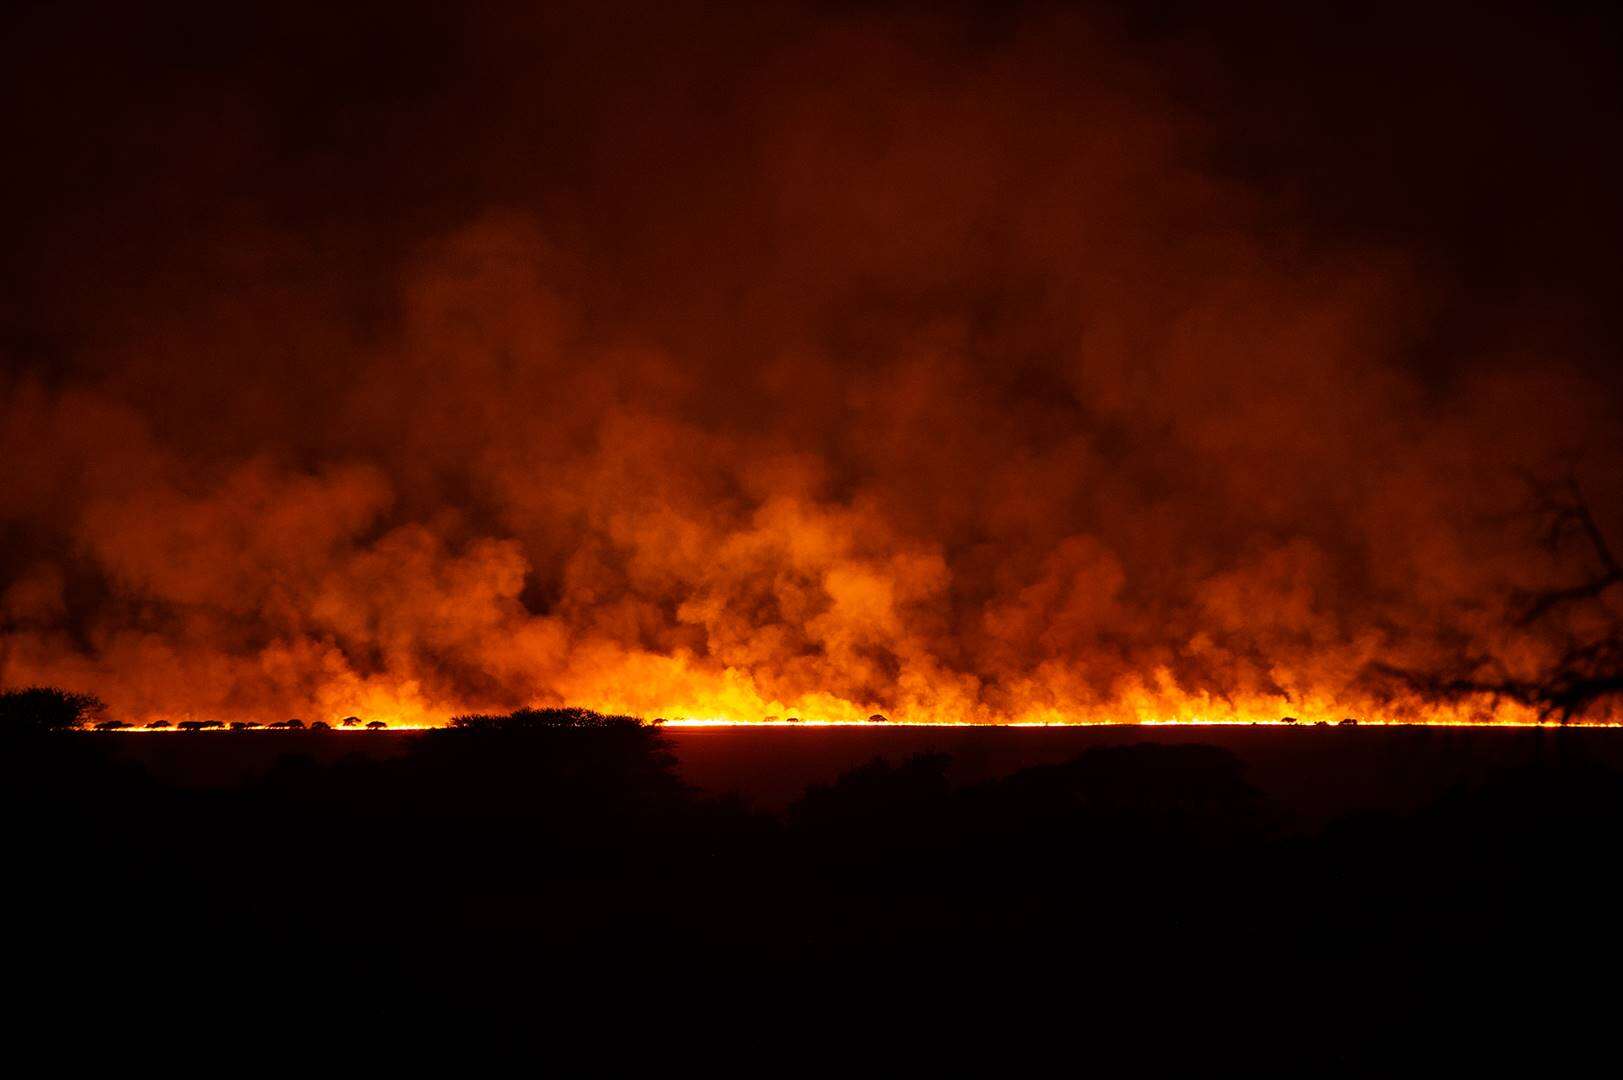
<point>37,710</point>
<point>525,720</point>
<point>549,766</point>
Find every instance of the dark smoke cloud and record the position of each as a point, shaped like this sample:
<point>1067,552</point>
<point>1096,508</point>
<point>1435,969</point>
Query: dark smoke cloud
<point>817,361</point>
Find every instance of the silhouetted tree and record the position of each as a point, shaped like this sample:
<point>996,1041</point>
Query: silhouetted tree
<point>350,721</point>
<point>1583,620</point>
<point>376,725</point>
<point>40,709</point>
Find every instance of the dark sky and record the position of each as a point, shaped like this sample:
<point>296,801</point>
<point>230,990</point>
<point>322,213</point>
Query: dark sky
<point>973,359</point>
<point>1477,137</point>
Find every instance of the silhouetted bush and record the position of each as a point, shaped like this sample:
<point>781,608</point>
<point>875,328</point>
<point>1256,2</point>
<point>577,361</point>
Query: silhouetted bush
<point>527,720</point>
<point>40,709</point>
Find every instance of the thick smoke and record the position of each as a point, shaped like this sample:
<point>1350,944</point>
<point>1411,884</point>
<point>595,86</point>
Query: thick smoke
<point>799,364</point>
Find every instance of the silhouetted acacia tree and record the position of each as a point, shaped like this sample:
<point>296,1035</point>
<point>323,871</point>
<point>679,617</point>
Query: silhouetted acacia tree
<point>1584,620</point>
<point>39,709</point>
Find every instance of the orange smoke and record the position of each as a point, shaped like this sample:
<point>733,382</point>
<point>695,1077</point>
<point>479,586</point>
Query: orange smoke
<point>825,367</point>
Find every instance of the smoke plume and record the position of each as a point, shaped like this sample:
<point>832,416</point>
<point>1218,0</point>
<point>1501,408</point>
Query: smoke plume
<point>812,362</point>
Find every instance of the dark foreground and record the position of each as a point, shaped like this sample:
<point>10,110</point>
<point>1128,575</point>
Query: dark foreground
<point>1130,898</point>
<point>1315,773</point>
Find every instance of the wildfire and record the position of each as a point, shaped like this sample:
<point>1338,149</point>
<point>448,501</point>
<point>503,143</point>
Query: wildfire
<point>973,386</point>
<point>1193,714</point>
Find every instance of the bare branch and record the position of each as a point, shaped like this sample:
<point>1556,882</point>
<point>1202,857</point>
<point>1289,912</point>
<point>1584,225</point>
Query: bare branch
<point>1566,514</point>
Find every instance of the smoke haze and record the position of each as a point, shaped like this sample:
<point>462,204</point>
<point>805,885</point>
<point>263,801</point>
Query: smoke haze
<point>1067,364</point>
